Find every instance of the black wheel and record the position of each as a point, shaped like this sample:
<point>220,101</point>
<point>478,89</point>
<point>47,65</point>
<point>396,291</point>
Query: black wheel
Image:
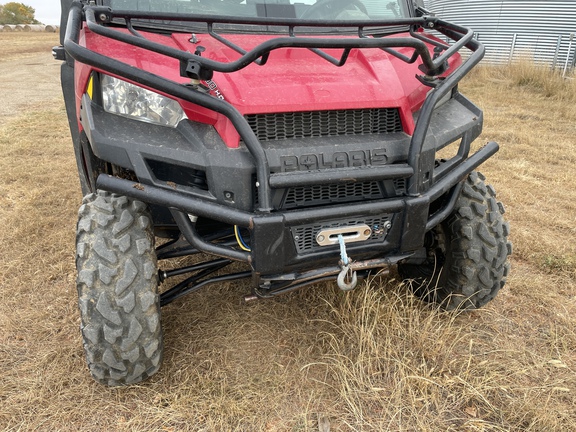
<point>468,253</point>
<point>118,289</point>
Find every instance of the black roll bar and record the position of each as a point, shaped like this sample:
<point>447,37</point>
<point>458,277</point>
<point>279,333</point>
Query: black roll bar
<point>95,16</point>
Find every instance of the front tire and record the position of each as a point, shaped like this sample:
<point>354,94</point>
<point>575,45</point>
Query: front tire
<point>118,289</point>
<point>468,252</point>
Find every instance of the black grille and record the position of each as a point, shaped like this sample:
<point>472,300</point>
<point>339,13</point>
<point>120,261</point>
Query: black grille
<point>317,195</point>
<point>305,235</point>
<point>281,126</point>
<point>305,196</point>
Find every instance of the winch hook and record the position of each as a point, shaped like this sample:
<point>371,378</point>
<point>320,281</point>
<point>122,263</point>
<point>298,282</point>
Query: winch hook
<point>347,279</point>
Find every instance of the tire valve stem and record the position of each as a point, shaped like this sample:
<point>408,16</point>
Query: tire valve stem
<point>347,278</point>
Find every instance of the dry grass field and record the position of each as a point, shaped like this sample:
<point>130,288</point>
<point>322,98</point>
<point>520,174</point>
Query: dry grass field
<point>372,360</point>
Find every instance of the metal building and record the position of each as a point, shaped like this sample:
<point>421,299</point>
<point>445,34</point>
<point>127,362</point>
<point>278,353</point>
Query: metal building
<point>541,30</point>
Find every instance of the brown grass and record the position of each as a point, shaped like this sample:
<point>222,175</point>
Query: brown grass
<point>17,45</point>
<point>374,359</point>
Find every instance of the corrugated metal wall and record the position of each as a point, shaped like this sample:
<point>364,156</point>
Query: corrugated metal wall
<point>514,29</point>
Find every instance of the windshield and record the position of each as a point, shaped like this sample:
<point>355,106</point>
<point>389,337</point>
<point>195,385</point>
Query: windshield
<point>340,10</point>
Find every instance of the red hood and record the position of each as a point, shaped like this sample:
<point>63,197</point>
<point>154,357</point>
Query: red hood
<point>292,80</point>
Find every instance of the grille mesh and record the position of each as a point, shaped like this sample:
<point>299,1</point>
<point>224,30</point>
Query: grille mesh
<point>316,195</point>
<point>326,194</point>
<point>281,126</point>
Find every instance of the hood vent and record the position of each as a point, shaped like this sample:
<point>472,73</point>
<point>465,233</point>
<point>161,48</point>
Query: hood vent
<point>314,124</point>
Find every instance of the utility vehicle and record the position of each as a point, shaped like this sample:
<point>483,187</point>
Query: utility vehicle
<point>307,140</point>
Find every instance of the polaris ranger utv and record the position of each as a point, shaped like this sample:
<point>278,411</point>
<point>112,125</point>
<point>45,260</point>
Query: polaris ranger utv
<point>310,140</point>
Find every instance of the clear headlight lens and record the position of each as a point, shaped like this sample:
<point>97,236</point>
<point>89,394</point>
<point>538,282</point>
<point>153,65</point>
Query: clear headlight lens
<point>129,100</point>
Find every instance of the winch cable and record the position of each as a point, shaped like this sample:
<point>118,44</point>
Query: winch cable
<point>347,278</point>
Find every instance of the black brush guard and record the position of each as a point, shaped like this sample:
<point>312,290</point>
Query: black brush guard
<point>267,227</point>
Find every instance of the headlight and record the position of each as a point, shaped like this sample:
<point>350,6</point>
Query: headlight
<point>129,100</point>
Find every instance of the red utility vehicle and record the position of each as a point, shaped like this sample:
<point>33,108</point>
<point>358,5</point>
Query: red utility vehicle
<point>309,140</point>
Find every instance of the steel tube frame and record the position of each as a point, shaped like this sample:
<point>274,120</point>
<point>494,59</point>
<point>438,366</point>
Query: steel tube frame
<point>181,204</point>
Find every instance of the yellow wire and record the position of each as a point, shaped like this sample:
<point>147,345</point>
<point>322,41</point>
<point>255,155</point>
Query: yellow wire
<point>237,234</point>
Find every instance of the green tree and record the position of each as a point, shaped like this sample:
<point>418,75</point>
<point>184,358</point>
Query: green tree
<point>17,13</point>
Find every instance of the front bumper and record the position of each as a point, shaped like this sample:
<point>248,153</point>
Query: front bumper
<point>273,248</point>
<point>284,239</point>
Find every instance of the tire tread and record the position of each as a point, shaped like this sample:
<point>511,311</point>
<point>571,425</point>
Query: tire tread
<point>117,289</point>
<point>477,250</point>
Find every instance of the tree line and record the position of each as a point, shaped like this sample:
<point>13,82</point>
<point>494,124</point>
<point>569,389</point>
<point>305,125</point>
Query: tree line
<point>17,13</point>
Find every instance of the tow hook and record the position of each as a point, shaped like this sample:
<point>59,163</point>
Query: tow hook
<point>347,278</point>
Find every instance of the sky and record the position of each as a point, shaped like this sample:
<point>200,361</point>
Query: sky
<point>47,11</point>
